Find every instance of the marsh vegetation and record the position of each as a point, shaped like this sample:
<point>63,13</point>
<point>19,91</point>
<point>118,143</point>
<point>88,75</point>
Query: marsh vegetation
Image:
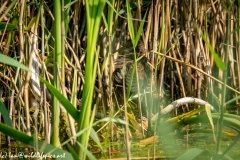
<point>110,79</point>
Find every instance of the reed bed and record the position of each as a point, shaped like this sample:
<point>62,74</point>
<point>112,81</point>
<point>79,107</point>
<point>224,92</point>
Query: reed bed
<point>58,60</point>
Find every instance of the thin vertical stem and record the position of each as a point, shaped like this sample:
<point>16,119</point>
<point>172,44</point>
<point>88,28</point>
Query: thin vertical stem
<point>62,42</point>
<point>222,107</point>
<point>57,62</point>
<point>128,149</point>
<point>46,118</point>
<point>26,99</point>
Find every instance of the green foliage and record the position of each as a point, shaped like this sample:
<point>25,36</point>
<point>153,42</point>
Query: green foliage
<point>5,114</point>
<point>217,59</point>
<point>42,146</point>
<point>133,5</point>
<point>7,26</point>
<point>10,61</point>
<point>130,23</point>
<point>191,154</point>
<point>65,102</point>
<point>57,59</point>
<point>173,29</point>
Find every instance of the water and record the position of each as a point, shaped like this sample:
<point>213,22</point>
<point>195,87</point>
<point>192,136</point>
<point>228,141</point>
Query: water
<point>174,144</point>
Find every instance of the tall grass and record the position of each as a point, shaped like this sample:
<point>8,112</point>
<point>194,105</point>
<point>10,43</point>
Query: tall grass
<point>94,11</point>
<point>193,52</point>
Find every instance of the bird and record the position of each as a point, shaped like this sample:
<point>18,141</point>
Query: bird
<point>143,68</point>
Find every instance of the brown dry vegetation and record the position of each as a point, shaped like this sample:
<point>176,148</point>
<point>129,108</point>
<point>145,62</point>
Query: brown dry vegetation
<point>181,39</point>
